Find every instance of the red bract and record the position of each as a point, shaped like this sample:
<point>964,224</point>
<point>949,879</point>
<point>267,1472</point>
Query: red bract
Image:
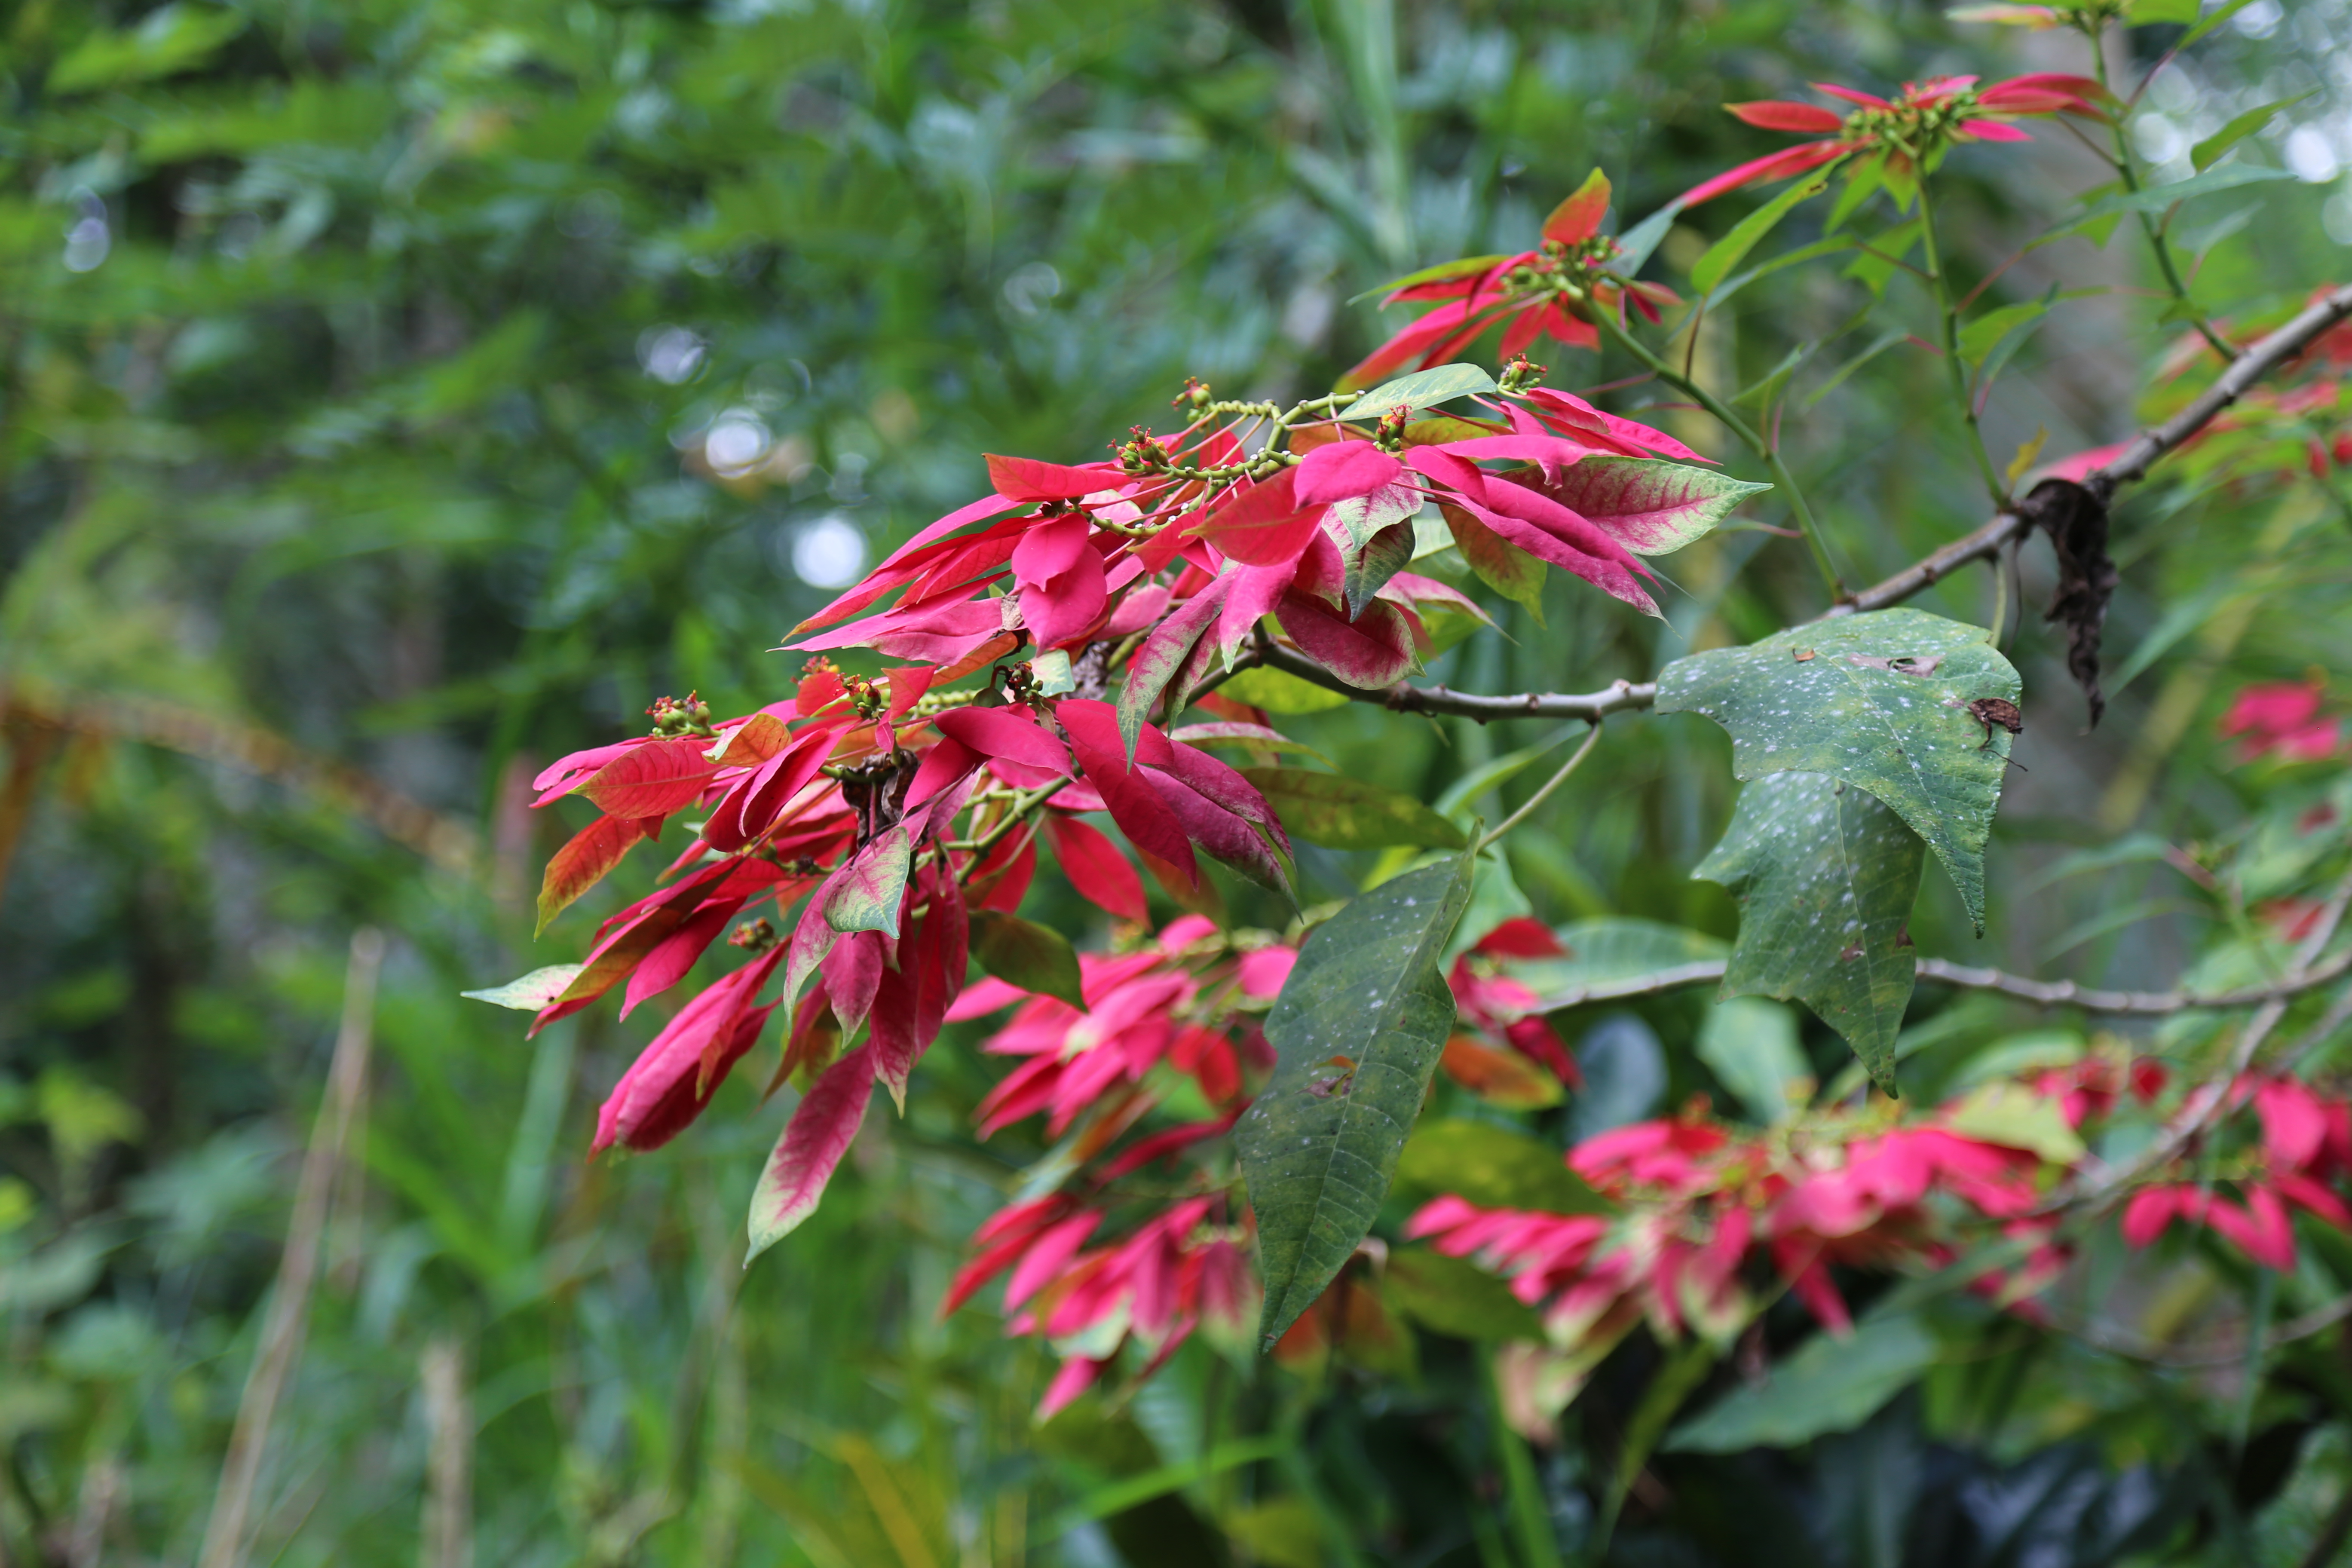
<point>1172,1003</point>
<point>2282,720</point>
<point>1554,290</point>
<point>1898,139</point>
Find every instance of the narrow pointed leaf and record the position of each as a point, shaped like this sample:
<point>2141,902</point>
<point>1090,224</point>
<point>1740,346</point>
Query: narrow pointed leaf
<point>1357,1030</point>
<point>804,1158</point>
<point>2206,154</point>
<point>1729,251</point>
<point>1879,700</point>
<point>530,993</point>
<point>1826,877</point>
<point>1466,267</point>
<point>1162,655</point>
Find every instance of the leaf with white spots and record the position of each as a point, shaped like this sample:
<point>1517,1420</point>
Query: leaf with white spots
<point>1879,700</point>
<point>1357,1031</point>
<point>1826,877</point>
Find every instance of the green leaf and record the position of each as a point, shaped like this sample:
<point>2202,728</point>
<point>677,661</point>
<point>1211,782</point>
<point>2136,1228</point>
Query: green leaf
<point>1422,389</point>
<point>2202,156</point>
<point>1455,1296</point>
<point>167,41</point>
<point>867,894</point>
<point>1879,700</point>
<point>1751,1046</point>
<point>1830,1385</point>
<point>1024,953</point>
<point>1118,1496</point>
<point>1493,1167</point>
<point>533,991</point>
<point>1612,947</point>
<point>2227,11</point>
<point>2142,12</point>
<point>1761,394</point>
<point>1802,254</point>
<point>1464,268</point>
<point>1979,338</point>
<point>1635,245</point>
<point>2155,199</point>
<point>1357,1030</point>
<point>1826,877</point>
<point>1885,340</point>
<point>1279,691</point>
<point>1342,813</point>
<point>2015,1117</point>
<point>1732,249</point>
<point>1463,794</point>
<point>1875,266</point>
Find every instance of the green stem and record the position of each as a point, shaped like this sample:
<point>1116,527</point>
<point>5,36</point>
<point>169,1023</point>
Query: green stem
<point>1941,286</point>
<point>2127,167</point>
<point>1528,807</point>
<point>1748,436</point>
<point>1530,1517</point>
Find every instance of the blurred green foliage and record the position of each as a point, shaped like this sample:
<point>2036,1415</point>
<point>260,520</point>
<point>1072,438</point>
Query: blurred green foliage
<point>395,394</point>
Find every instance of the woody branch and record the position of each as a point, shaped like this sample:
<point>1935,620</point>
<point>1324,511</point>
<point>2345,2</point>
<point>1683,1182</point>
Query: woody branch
<point>2258,361</point>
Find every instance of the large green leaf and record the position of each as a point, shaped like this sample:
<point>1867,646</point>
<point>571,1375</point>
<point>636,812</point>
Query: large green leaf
<point>1357,1030</point>
<point>1455,1296</point>
<point>1879,700</point>
<point>1342,813</point>
<point>1493,1167</point>
<point>1422,389</point>
<point>1750,1045</point>
<point>1826,878</point>
<point>1022,952</point>
<point>1830,1386</point>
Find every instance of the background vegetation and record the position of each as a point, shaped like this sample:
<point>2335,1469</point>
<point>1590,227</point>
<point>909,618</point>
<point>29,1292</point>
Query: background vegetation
<point>399,394</point>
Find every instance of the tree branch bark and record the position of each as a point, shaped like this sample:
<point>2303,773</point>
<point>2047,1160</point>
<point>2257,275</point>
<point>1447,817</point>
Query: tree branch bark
<point>2133,463</point>
<point>2042,993</point>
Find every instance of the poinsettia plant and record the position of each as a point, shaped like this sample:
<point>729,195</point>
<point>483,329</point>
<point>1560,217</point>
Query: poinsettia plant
<point>1086,669</point>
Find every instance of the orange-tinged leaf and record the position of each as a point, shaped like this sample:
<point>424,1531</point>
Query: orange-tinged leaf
<point>755,740</point>
<point>1578,217</point>
<point>1500,1077</point>
<point>652,780</point>
<point>582,863</point>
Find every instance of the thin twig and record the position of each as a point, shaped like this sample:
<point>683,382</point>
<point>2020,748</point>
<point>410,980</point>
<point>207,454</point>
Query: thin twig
<point>2042,993</point>
<point>1984,543</point>
<point>2305,971</point>
<point>283,1328</point>
<point>2132,464</point>
<point>1619,697</point>
<point>1591,739</point>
